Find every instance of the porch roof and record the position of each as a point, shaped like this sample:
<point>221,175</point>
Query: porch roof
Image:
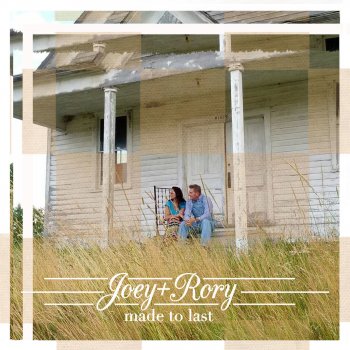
<point>218,16</point>
<point>89,70</point>
<point>54,111</point>
<point>73,75</point>
<point>48,42</point>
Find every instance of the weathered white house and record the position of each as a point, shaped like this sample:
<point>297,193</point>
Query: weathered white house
<point>252,118</point>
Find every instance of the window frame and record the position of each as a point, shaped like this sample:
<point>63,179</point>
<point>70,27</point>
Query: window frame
<point>334,121</point>
<point>117,186</point>
<point>323,42</point>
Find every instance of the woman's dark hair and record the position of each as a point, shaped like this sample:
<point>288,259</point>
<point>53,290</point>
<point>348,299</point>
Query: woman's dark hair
<point>178,194</point>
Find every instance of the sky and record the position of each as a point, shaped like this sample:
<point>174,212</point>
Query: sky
<point>18,19</point>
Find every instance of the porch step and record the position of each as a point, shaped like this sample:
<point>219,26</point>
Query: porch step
<point>230,231</point>
<point>227,234</point>
<point>224,232</point>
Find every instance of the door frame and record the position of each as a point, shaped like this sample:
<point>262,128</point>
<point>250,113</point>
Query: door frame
<point>186,123</point>
<point>266,113</point>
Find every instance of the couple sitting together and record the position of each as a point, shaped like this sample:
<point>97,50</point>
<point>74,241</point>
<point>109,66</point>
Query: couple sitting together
<point>195,214</point>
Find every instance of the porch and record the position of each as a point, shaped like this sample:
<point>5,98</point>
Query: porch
<point>173,102</point>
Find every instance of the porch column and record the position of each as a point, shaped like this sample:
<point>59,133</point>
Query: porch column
<point>239,180</point>
<point>108,163</point>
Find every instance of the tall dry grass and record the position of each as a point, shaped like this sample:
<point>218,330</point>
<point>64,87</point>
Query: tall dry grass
<point>16,306</point>
<point>314,264</point>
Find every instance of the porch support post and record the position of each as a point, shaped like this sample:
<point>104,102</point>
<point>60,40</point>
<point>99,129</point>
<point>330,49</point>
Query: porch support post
<point>239,177</point>
<point>108,180</point>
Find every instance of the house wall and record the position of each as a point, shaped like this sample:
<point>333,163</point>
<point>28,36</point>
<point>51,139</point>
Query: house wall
<point>304,184</point>
<point>74,191</point>
<point>301,162</point>
<point>324,173</point>
<point>191,98</point>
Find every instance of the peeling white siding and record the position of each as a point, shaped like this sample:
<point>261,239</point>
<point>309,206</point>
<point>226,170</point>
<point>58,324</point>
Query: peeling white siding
<point>74,194</point>
<point>301,158</point>
<point>305,195</point>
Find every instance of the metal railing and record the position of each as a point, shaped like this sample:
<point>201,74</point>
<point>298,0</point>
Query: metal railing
<point>161,195</point>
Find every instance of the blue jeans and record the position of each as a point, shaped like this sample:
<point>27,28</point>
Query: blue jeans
<point>206,228</point>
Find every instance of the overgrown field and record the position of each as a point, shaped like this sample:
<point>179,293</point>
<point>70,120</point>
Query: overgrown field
<point>314,265</point>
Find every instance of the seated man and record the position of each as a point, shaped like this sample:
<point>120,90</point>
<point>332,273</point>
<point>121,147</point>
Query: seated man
<point>198,215</point>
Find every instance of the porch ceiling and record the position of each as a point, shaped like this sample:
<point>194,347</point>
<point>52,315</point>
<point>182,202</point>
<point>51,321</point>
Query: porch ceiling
<point>256,78</point>
<point>52,111</point>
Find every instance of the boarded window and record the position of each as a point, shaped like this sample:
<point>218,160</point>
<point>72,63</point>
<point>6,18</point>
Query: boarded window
<point>121,152</point>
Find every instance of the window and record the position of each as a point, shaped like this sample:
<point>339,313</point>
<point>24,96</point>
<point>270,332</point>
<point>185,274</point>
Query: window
<point>121,149</point>
<point>332,44</point>
<point>333,117</point>
<point>337,124</point>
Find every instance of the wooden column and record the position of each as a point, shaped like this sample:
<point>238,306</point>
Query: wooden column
<point>225,45</point>
<point>108,164</point>
<point>239,180</point>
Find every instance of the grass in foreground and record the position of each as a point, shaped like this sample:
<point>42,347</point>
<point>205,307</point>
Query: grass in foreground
<point>313,264</point>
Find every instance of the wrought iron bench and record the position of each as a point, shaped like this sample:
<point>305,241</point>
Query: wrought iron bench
<point>161,195</point>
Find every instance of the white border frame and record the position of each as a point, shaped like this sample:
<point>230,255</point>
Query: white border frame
<point>203,5</point>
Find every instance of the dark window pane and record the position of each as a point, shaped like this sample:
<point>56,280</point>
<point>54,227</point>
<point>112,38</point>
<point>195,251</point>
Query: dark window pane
<point>101,134</point>
<point>120,133</point>
<point>332,44</point>
<point>120,148</point>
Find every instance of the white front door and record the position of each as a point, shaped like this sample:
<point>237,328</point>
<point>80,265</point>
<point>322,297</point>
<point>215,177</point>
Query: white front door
<point>204,162</point>
<point>255,155</point>
<point>257,175</point>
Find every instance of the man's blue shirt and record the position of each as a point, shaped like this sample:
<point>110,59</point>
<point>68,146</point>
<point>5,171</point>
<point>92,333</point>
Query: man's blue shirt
<point>202,208</point>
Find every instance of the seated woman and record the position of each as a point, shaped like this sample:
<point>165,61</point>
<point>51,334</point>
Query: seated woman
<point>174,209</point>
